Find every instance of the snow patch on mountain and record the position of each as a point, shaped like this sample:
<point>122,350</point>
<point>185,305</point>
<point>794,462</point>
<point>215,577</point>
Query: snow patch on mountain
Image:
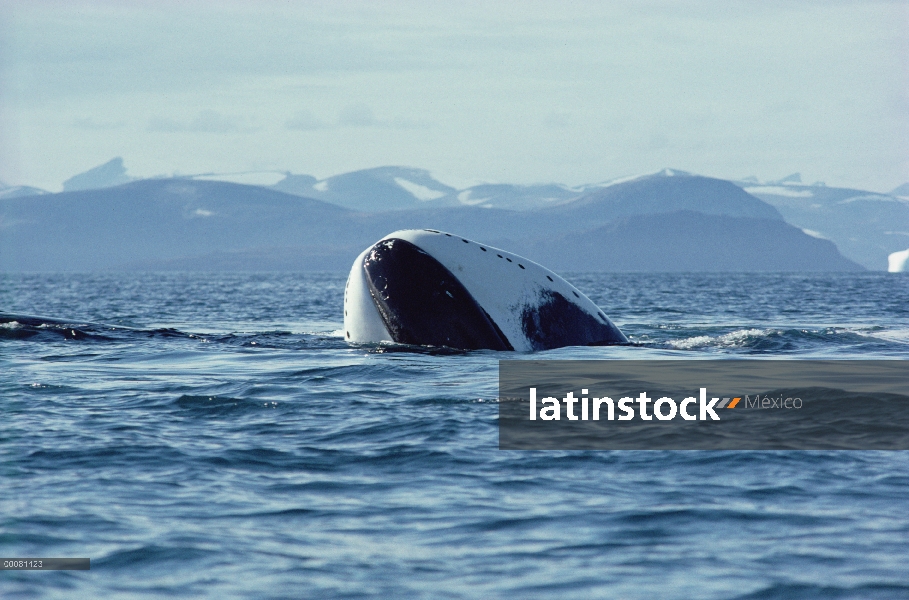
<point>453,181</point>
<point>617,181</point>
<point>263,178</point>
<point>464,198</point>
<point>870,198</point>
<point>778,190</point>
<point>420,192</point>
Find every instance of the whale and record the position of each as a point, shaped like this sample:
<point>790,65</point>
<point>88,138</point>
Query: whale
<point>426,287</point>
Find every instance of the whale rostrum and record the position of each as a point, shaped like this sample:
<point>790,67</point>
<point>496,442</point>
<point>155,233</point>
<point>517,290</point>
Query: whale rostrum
<point>426,287</point>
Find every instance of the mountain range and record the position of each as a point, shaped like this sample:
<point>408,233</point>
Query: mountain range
<point>666,221</point>
<point>866,227</point>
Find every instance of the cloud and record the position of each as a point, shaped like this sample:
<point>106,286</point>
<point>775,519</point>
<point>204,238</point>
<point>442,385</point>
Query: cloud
<point>352,115</point>
<point>357,115</point>
<point>360,115</point>
<point>305,121</point>
<point>95,125</point>
<point>207,121</point>
<point>570,92</point>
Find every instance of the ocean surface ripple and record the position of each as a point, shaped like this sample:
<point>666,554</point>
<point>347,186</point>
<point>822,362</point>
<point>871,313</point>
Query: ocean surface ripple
<point>212,435</point>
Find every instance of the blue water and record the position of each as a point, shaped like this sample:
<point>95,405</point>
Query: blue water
<point>216,437</point>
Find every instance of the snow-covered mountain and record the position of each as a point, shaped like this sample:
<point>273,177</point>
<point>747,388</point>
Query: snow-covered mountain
<point>381,188</point>
<point>193,224</point>
<point>665,192</point>
<point>516,197</point>
<point>866,227</point>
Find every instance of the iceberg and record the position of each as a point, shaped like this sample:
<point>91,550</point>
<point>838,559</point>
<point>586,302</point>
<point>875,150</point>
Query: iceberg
<point>898,261</point>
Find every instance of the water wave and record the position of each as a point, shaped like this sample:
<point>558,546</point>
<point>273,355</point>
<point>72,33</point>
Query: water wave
<point>212,435</point>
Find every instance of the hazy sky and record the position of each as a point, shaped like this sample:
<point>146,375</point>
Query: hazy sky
<point>489,91</point>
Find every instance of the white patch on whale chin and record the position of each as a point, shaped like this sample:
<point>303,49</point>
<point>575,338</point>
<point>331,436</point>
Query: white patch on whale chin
<point>362,321</point>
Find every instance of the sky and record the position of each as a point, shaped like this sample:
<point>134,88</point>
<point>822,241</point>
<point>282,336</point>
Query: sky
<point>518,92</point>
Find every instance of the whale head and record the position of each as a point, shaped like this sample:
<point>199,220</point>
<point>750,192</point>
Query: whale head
<point>426,287</point>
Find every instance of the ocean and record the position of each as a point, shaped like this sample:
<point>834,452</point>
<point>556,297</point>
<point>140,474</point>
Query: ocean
<point>212,435</point>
